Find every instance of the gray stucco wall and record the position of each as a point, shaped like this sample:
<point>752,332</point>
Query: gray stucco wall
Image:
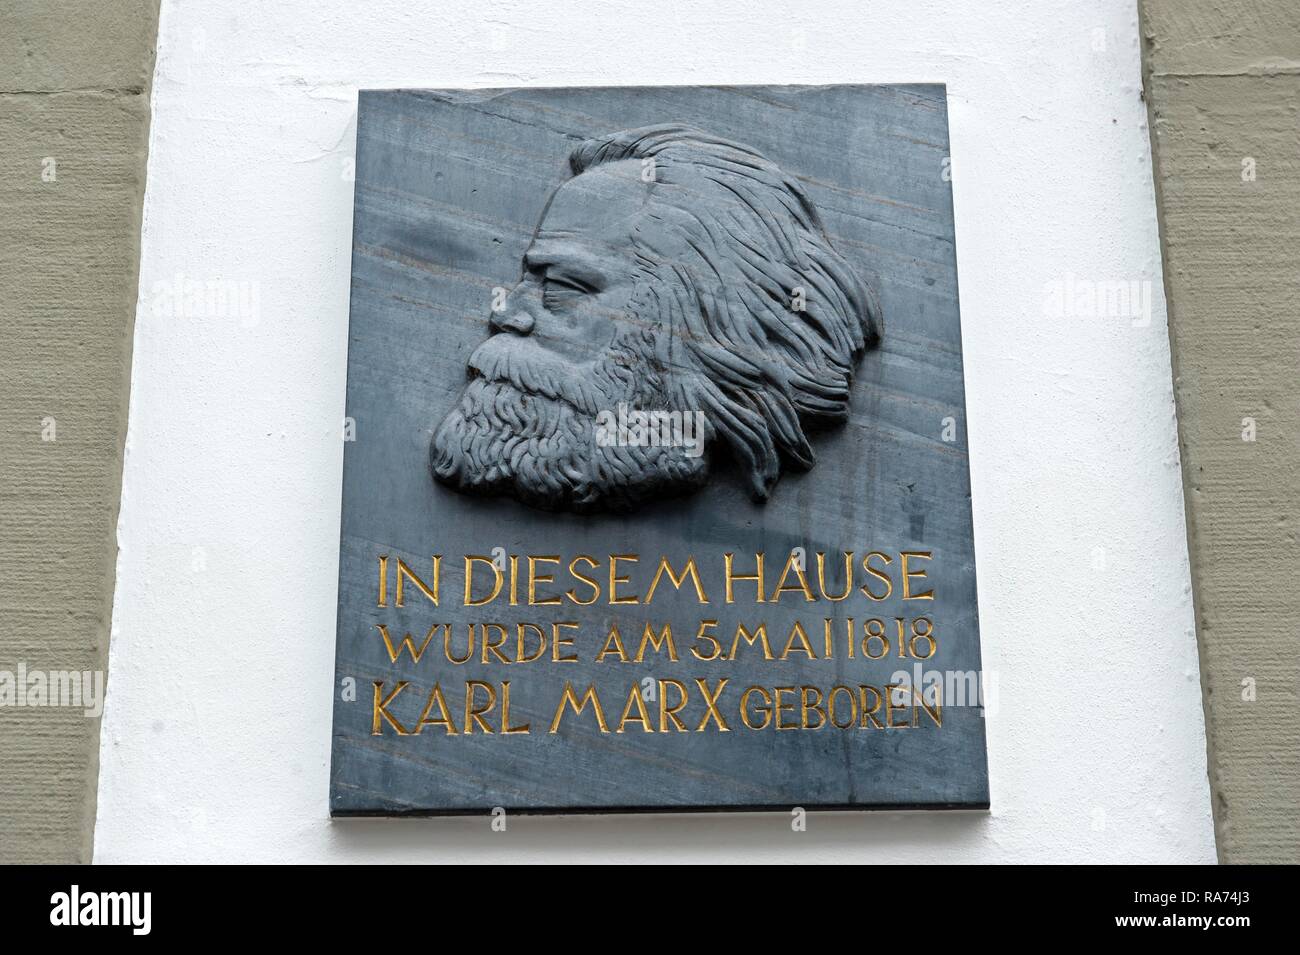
<point>1223,89</point>
<point>74,116</point>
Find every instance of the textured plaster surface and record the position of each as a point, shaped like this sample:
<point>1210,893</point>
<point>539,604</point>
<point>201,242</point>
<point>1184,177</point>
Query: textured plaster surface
<point>1224,92</point>
<point>217,729</point>
<point>73,103</point>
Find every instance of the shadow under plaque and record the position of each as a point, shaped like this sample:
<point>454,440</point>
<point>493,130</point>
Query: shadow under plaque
<point>656,491</point>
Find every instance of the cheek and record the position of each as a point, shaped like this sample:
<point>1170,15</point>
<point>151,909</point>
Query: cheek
<point>594,319</point>
<point>609,306</point>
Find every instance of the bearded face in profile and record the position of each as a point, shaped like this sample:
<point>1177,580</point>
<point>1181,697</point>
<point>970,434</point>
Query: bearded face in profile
<point>676,277</point>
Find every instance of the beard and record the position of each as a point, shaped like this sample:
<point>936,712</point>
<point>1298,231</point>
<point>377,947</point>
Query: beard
<point>526,427</point>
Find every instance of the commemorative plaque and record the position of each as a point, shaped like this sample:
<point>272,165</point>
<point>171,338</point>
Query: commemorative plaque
<point>655,487</point>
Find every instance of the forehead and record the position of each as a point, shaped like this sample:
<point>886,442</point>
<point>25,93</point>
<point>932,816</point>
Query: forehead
<point>602,202</point>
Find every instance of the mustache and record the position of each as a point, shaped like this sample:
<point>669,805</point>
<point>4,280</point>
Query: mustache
<point>536,370</point>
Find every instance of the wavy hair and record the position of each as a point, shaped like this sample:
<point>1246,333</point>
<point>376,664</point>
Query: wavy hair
<point>769,313</point>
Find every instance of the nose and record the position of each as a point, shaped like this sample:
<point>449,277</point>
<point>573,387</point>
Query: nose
<point>515,315</point>
<point>521,323</point>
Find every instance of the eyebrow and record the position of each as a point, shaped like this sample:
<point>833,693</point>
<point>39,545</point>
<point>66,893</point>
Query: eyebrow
<point>566,257</point>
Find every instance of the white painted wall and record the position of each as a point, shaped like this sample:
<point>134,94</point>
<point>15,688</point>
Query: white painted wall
<point>216,735</point>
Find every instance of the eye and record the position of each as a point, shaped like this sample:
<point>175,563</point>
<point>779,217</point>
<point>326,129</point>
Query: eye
<point>561,291</point>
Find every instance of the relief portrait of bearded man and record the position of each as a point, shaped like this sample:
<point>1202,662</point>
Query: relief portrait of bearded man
<point>673,272</point>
